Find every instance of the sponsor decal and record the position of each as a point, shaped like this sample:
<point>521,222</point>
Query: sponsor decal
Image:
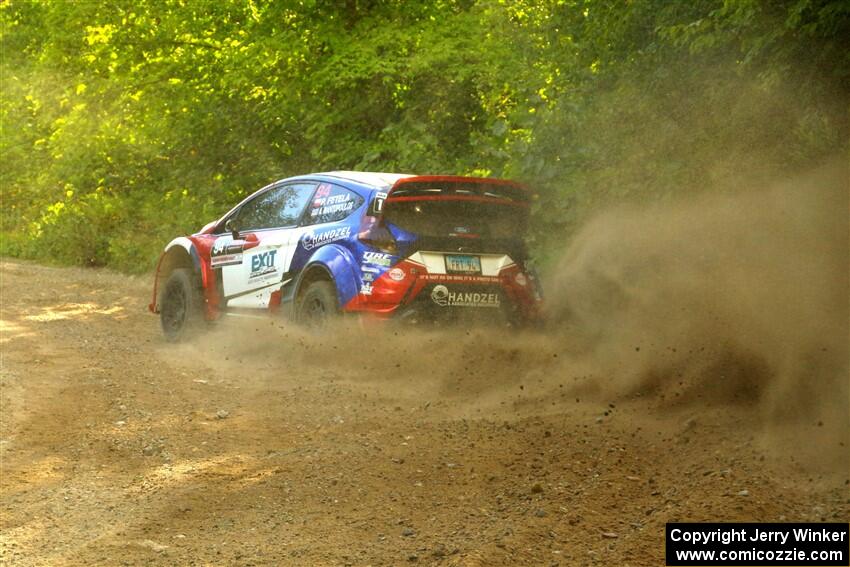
<point>378,259</point>
<point>225,260</point>
<point>220,245</point>
<point>444,297</point>
<point>332,205</point>
<point>262,264</point>
<point>378,203</point>
<point>323,190</point>
<point>440,295</point>
<point>315,239</point>
<point>225,253</point>
<point>366,288</point>
<point>397,274</point>
<point>370,269</point>
<point>464,278</point>
<point>368,277</point>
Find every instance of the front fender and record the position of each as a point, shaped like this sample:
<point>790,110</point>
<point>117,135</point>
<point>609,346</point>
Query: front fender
<point>179,252</point>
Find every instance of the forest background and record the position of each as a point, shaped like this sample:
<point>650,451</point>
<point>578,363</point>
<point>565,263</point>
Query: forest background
<point>126,123</point>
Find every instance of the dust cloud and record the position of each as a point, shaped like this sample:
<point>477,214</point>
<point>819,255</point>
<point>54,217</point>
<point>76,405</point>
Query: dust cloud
<point>736,301</point>
<point>738,298</point>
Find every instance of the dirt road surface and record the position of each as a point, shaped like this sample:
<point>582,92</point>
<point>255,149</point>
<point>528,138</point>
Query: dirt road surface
<point>260,445</point>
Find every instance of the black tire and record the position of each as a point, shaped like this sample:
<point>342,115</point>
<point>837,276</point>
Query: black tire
<point>179,306</point>
<point>318,304</point>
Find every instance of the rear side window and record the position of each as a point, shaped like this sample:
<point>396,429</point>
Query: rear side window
<point>276,208</point>
<point>332,203</point>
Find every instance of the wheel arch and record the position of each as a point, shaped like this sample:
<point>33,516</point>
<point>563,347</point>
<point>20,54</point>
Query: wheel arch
<point>179,253</point>
<point>332,263</point>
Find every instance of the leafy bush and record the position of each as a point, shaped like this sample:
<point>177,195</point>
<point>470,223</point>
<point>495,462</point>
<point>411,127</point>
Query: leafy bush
<point>123,125</point>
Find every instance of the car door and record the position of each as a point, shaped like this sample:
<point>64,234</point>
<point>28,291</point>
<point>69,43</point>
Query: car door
<point>265,224</point>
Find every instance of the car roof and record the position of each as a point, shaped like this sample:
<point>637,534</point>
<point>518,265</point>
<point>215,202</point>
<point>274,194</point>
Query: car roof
<point>379,180</point>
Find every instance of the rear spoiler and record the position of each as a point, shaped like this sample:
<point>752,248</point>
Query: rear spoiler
<point>457,188</point>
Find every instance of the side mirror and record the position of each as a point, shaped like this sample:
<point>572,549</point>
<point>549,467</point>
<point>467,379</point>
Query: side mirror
<point>230,225</point>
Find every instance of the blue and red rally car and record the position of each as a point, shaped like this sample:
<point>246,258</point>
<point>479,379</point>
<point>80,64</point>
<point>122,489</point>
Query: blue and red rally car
<point>379,244</point>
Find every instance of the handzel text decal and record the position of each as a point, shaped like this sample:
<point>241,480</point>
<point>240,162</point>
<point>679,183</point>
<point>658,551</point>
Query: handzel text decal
<point>316,239</point>
<point>444,297</point>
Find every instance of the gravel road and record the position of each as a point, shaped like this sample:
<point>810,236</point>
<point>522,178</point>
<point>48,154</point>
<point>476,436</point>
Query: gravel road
<point>262,445</point>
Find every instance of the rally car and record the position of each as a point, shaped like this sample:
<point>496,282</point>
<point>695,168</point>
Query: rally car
<point>378,244</point>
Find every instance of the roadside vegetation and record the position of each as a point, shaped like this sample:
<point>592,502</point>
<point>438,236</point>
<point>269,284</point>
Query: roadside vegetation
<point>127,122</point>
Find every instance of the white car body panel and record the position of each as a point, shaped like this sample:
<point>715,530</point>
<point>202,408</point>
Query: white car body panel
<point>435,263</point>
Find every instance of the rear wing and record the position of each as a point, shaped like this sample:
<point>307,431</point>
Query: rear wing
<point>456,188</point>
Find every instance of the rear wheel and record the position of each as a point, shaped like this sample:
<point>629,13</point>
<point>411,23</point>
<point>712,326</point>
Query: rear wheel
<point>317,304</point>
<point>180,306</point>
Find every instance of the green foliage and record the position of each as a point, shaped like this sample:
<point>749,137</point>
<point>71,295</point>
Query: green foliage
<point>125,123</point>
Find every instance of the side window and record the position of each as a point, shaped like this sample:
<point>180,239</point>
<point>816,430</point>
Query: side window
<point>278,207</point>
<point>332,203</point>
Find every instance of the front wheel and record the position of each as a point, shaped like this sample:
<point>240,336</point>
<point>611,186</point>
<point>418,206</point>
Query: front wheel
<point>180,306</point>
<point>317,304</point>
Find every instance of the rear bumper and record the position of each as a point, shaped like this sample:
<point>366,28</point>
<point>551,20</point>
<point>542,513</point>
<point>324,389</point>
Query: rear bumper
<point>409,291</point>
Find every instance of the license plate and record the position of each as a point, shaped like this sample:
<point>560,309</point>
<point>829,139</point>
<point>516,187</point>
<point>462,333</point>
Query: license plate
<point>463,264</point>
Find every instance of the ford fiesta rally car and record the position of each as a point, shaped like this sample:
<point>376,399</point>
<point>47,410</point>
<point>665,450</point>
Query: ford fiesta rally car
<point>386,245</point>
